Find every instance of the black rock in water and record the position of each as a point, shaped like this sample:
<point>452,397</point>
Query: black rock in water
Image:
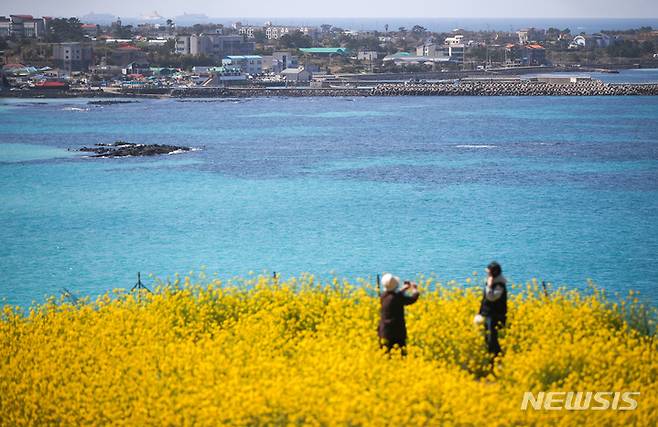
<point>125,149</point>
<point>110,102</point>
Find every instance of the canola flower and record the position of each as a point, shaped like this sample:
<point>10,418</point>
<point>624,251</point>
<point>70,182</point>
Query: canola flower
<point>300,352</point>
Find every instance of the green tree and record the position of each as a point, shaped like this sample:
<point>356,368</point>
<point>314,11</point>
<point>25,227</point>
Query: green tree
<point>370,43</point>
<point>260,36</point>
<point>418,31</point>
<point>122,32</point>
<point>296,39</point>
<point>552,33</point>
<point>648,47</point>
<point>624,49</point>
<point>65,30</point>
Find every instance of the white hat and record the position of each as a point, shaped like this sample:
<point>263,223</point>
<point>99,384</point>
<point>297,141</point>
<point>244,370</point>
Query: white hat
<point>390,282</point>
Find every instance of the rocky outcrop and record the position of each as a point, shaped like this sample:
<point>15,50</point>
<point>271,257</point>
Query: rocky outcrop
<point>111,102</point>
<point>252,92</point>
<point>126,149</point>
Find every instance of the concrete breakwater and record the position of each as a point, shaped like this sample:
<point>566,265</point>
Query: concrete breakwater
<point>470,88</point>
<point>514,88</point>
<point>456,88</point>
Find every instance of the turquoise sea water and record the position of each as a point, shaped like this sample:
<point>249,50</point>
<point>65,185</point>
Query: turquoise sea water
<point>562,189</point>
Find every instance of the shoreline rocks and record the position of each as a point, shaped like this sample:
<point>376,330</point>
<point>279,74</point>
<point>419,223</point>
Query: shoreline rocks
<point>260,92</point>
<point>129,149</point>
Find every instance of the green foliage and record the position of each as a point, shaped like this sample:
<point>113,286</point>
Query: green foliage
<point>65,30</point>
<point>122,32</point>
<point>648,47</point>
<point>418,31</point>
<point>260,36</point>
<point>631,32</point>
<point>552,33</point>
<point>296,40</point>
<point>200,28</point>
<point>625,49</point>
<point>366,43</point>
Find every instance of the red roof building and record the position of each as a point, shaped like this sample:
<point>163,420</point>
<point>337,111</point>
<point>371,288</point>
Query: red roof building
<point>127,46</point>
<point>534,54</point>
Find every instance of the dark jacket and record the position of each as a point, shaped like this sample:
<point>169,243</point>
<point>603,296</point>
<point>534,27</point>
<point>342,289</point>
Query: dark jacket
<point>494,302</point>
<point>392,326</point>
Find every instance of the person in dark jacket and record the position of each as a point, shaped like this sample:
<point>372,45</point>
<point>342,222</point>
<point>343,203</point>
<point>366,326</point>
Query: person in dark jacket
<point>392,327</point>
<point>493,307</point>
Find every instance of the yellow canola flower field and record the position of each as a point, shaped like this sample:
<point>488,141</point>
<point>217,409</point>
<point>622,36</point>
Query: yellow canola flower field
<point>259,352</point>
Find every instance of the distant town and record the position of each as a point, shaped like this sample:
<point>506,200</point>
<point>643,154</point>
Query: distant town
<point>63,54</point>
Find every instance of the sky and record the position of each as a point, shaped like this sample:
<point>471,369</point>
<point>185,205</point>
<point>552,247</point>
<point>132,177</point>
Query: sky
<point>342,8</point>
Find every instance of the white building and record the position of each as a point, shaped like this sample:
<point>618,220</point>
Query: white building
<point>279,61</point>
<point>223,76</point>
<point>454,40</point>
<point>367,55</point>
<point>214,44</point>
<point>249,31</point>
<point>157,42</point>
<point>72,56</point>
<point>529,35</point>
<point>298,74</point>
<point>200,45</point>
<point>456,52</point>
<point>275,32</point>
<point>591,41</point>
<point>429,49</point>
<point>182,46</point>
<point>449,51</point>
<point>250,64</point>
<point>23,26</point>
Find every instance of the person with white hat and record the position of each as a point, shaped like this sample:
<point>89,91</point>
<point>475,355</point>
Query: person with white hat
<point>392,328</point>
